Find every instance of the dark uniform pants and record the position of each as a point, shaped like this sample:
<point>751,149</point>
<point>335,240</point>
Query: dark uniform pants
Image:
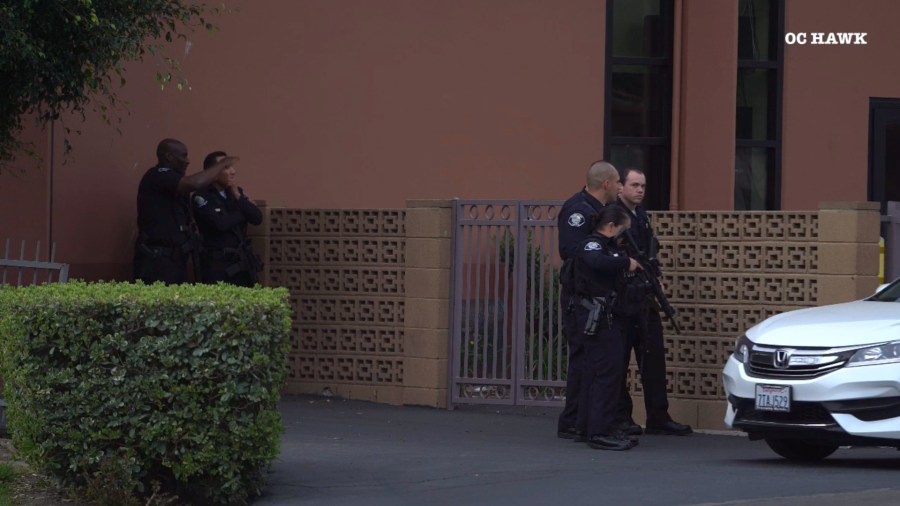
<point>650,353</point>
<point>170,268</point>
<point>214,267</point>
<point>603,375</point>
<point>569,416</point>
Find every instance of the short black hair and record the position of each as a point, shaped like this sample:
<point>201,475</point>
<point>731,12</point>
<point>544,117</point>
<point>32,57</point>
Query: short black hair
<point>211,159</point>
<point>628,171</point>
<point>614,214</point>
<point>165,148</point>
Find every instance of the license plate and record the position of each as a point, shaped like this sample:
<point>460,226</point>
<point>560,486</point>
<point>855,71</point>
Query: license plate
<point>773,398</point>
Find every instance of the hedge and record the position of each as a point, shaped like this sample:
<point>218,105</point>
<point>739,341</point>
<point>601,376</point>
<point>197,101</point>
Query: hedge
<point>132,387</point>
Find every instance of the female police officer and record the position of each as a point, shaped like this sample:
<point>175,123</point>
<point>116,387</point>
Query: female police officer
<point>599,264</point>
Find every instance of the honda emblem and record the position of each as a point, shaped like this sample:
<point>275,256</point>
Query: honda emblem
<point>783,358</point>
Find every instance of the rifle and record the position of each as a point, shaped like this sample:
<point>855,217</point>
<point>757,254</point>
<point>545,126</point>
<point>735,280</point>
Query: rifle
<point>248,261</point>
<point>195,246</point>
<point>251,260</point>
<point>650,275</point>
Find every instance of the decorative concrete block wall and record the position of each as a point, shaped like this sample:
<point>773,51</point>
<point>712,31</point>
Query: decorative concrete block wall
<point>371,289</point>
<point>345,270</point>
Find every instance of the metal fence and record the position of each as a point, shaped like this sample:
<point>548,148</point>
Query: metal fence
<point>891,235</point>
<point>506,342</point>
<point>20,271</point>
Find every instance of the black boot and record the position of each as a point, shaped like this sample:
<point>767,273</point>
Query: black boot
<point>613,442</point>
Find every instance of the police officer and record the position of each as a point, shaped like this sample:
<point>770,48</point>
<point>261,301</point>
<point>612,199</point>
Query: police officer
<point>643,327</point>
<point>165,230</point>
<point>573,227</point>
<point>222,211</point>
<point>599,265</point>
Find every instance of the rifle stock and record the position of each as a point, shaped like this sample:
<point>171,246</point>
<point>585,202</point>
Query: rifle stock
<point>651,274</point>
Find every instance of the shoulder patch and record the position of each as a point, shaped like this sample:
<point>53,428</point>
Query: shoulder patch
<point>593,246</point>
<point>576,219</point>
<point>163,169</point>
<point>200,201</point>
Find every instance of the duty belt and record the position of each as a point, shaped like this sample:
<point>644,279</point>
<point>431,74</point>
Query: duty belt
<point>590,302</point>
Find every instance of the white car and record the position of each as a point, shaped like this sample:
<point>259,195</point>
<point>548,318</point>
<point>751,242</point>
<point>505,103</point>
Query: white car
<point>811,380</point>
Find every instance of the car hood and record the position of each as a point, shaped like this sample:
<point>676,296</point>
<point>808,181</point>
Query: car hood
<point>850,324</point>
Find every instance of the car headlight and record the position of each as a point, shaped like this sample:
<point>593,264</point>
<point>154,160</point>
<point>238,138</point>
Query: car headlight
<point>742,347</point>
<point>887,353</point>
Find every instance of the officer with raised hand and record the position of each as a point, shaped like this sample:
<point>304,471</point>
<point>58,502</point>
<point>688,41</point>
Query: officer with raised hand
<point>222,211</point>
<point>573,227</point>
<point>166,238</point>
<point>598,268</point>
<point>642,324</point>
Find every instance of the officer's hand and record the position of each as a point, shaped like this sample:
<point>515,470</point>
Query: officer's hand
<point>634,265</point>
<point>228,161</point>
<point>234,190</point>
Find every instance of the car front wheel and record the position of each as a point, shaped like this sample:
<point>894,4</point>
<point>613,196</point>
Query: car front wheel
<point>799,449</point>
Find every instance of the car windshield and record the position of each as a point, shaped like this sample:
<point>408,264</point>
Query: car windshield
<point>891,293</point>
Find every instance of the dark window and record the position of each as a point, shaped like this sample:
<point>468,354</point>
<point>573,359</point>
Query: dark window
<point>884,151</point>
<point>638,111</point>
<point>638,101</point>
<point>757,182</point>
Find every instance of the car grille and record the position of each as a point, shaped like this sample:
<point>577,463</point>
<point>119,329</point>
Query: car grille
<point>762,363</point>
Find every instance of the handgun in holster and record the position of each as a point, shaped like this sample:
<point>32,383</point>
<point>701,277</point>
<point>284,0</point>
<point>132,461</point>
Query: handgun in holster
<point>599,310</point>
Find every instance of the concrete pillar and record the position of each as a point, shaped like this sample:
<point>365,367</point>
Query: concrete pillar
<point>260,237</point>
<point>848,251</point>
<point>427,302</point>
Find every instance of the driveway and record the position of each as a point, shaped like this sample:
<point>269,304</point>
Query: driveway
<point>338,452</point>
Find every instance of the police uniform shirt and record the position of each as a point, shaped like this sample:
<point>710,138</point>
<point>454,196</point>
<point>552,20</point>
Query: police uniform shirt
<point>574,222</point>
<point>640,229</point>
<point>219,216</point>
<point>163,214</point>
<point>598,265</point>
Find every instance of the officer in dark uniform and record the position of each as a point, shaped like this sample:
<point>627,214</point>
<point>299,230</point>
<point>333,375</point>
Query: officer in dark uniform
<point>165,229</point>
<point>222,211</point>
<point>573,226</point>
<point>599,265</point>
<point>643,327</point>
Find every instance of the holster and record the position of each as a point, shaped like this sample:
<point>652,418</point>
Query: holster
<point>600,310</point>
<point>246,261</point>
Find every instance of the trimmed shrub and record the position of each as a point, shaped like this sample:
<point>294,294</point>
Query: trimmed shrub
<point>132,387</point>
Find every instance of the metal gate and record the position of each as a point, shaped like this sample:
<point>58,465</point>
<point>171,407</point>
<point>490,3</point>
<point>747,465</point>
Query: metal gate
<point>505,321</point>
<point>17,271</point>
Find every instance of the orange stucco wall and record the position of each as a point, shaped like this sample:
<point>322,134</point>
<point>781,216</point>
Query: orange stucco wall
<point>707,120</point>
<point>826,98</point>
<point>24,202</point>
<point>365,104</point>
<point>354,104</point>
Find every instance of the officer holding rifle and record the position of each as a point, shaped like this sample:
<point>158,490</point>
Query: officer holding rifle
<point>640,301</point>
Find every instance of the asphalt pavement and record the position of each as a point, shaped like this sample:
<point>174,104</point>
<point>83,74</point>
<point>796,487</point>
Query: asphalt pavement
<point>339,452</point>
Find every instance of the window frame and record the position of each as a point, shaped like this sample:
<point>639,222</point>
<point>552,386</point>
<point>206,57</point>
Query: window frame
<point>659,193</point>
<point>773,193</point>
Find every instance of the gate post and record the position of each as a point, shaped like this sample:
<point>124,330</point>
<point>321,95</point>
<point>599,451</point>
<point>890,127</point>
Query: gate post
<point>426,327</point>
<point>848,251</point>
